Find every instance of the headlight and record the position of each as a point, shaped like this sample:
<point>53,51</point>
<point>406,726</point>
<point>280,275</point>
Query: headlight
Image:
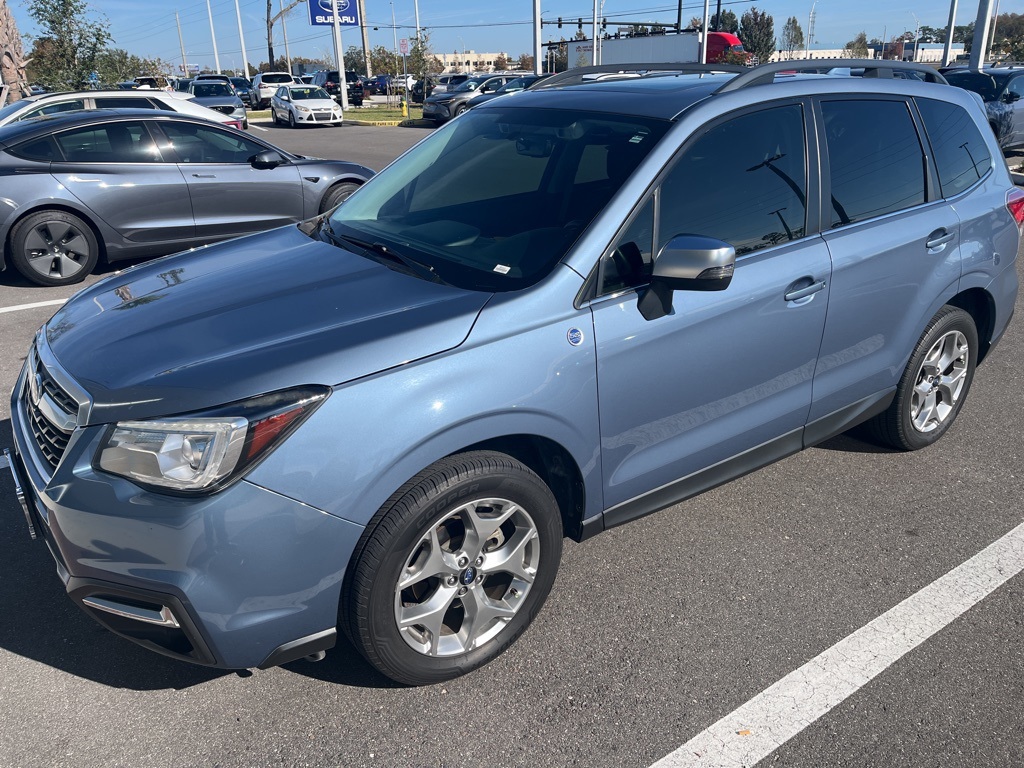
<point>204,452</point>
<point>301,109</point>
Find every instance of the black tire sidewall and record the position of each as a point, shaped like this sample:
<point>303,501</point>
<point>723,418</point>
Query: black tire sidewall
<point>331,198</point>
<point>378,628</point>
<point>949,319</point>
<point>20,262</point>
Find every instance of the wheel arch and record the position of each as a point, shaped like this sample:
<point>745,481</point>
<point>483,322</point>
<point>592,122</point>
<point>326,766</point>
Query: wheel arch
<point>335,183</point>
<point>50,205</point>
<point>979,304</point>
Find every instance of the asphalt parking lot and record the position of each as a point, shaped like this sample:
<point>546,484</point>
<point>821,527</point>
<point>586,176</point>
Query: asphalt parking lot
<point>654,631</point>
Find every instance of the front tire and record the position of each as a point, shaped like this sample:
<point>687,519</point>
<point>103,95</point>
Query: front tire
<point>291,119</point>
<point>453,568</point>
<point>336,195</point>
<point>53,248</point>
<point>934,384</point>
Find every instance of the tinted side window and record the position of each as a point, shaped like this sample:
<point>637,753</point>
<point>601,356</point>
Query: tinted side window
<point>961,154</point>
<point>120,102</point>
<point>53,108</point>
<point>877,165</point>
<point>743,182</point>
<point>121,142</point>
<point>200,144</point>
<point>38,149</point>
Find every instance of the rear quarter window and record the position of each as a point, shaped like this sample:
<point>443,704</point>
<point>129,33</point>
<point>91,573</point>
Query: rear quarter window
<point>961,155</point>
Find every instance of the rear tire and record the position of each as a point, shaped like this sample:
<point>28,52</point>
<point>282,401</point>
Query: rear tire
<point>53,248</point>
<point>934,384</point>
<point>453,568</point>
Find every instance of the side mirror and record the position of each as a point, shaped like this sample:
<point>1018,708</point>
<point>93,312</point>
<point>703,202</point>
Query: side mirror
<point>1009,97</point>
<point>266,159</point>
<point>687,263</point>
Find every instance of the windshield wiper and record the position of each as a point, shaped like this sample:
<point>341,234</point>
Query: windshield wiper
<point>386,255</point>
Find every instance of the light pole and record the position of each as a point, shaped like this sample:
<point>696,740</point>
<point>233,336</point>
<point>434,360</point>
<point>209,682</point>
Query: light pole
<point>462,62</point>
<point>917,31</point>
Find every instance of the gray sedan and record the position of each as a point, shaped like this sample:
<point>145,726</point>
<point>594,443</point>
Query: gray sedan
<point>120,184</point>
<point>219,95</point>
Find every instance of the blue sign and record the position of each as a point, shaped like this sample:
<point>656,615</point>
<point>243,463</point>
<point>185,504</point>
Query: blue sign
<point>321,13</point>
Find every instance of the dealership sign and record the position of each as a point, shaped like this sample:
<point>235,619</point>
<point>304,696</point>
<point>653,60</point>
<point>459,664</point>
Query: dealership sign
<point>321,13</point>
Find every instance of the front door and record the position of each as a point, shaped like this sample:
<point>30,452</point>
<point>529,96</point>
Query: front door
<point>229,196</point>
<point>725,372</point>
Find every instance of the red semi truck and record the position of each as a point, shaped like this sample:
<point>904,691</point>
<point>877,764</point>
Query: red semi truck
<point>682,47</point>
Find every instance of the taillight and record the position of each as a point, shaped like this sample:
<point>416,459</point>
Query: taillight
<point>1015,205</point>
<point>234,124</point>
<point>329,84</point>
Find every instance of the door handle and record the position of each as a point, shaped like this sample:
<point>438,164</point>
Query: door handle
<point>802,293</point>
<point>204,176</point>
<point>938,237</point>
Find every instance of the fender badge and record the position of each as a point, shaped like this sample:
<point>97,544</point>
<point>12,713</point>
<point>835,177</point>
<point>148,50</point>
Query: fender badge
<point>575,336</point>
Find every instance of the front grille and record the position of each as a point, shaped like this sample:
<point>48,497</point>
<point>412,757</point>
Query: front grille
<point>226,110</point>
<point>51,439</point>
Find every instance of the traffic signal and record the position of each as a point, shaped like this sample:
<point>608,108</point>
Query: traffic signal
<point>604,25</point>
<point>559,22</point>
<point>579,26</point>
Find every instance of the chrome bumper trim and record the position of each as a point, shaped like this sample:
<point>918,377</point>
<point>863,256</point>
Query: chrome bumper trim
<point>163,618</point>
<point>8,461</point>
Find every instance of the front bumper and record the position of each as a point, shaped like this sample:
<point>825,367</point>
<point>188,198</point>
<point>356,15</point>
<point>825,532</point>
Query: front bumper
<point>242,578</point>
<point>434,111</point>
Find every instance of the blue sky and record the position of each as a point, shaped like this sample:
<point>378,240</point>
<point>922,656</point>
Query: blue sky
<point>148,29</point>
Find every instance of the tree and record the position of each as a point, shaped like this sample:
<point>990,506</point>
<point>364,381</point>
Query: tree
<point>729,23</point>
<point>792,36</point>
<point>501,62</point>
<point>66,53</point>
<point>115,65</point>
<point>696,22</point>
<point>858,47</point>
<point>757,33</point>
<point>525,62</point>
<point>582,57</point>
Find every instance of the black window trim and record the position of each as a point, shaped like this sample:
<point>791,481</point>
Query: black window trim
<point>931,152</point>
<point>814,190</point>
<point>931,193</point>
<point>167,149</point>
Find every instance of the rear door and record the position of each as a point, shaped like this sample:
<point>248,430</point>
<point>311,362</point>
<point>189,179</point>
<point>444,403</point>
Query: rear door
<point>117,171</point>
<point>894,242</point>
<point>229,196</point>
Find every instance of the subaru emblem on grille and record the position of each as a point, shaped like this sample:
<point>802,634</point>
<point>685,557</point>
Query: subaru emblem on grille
<point>35,386</point>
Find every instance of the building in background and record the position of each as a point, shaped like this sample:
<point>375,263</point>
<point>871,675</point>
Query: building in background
<point>471,61</point>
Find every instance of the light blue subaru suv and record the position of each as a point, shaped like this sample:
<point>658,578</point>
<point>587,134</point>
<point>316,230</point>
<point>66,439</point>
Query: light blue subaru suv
<point>566,309</point>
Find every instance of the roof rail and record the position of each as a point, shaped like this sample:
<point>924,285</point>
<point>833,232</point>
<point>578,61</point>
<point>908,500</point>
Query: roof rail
<point>578,74</point>
<point>764,74</point>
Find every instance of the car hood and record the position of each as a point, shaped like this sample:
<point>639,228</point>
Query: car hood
<point>245,317</point>
<point>316,103</point>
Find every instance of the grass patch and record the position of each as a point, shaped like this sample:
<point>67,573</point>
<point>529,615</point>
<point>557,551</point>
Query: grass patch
<point>383,113</point>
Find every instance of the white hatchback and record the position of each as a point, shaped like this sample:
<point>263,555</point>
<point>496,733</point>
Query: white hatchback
<point>50,103</point>
<point>304,105</point>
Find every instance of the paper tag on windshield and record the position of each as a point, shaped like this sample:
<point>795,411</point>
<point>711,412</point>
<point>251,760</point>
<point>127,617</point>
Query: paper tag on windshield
<point>502,269</point>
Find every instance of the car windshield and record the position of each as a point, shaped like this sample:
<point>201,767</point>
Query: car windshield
<point>438,203</point>
<point>10,109</point>
<point>469,85</point>
<point>240,82</point>
<point>983,84</point>
<point>305,94</point>
<point>212,88</point>
<point>277,79</point>
<point>515,85</point>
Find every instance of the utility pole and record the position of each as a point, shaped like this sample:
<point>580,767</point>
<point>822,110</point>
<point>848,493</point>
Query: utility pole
<point>536,37</point>
<point>213,36</point>
<point>947,51</point>
<point>284,28</point>
<point>704,33</point>
<point>593,53</point>
<point>810,32</point>
<point>366,39</point>
<point>339,54</point>
<point>241,38</point>
<point>981,25</point>
<point>181,41</point>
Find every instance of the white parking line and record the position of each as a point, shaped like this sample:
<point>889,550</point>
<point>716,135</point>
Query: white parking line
<point>258,128</point>
<point>783,710</point>
<point>33,305</point>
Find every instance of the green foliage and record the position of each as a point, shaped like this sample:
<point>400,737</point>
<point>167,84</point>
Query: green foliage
<point>792,36</point>
<point>115,65</point>
<point>67,51</point>
<point>729,23</point>
<point>757,33</point>
<point>525,62</point>
<point>858,47</point>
